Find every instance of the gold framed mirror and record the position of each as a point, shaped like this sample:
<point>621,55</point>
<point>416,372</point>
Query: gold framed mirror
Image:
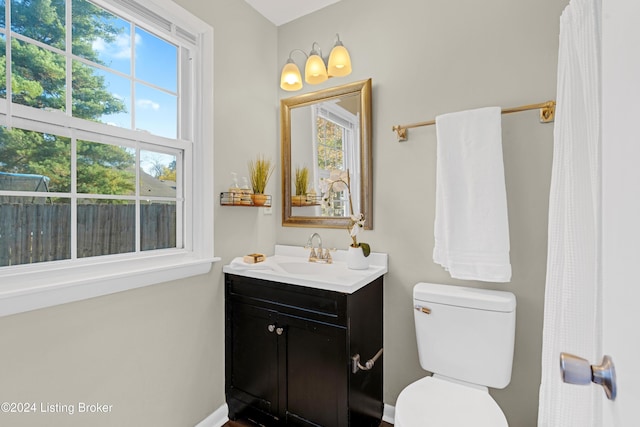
<point>324,131</point>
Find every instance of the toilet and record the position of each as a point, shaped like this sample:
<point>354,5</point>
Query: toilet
<point>465,338</point>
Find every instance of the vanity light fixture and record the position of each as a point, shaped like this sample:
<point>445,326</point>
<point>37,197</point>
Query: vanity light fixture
<point>339,60</point>
<point>315,70</point>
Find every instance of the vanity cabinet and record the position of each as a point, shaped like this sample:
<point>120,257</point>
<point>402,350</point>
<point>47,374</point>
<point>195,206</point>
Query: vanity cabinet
<point>289,353</point>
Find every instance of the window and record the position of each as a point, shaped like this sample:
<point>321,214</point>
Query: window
<point>102,145</point>
<point>336,133</point>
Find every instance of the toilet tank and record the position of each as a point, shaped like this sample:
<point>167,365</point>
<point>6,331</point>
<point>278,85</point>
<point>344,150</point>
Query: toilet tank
<point>465,333</point>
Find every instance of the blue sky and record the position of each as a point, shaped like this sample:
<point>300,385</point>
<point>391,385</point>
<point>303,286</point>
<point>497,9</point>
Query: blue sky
<point>155,64</point>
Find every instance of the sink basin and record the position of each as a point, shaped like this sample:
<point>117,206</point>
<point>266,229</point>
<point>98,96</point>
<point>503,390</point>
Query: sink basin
<point>290,264</point>
<point>306,268</point>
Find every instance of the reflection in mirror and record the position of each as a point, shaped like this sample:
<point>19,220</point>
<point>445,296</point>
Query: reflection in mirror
<point>324,131</point>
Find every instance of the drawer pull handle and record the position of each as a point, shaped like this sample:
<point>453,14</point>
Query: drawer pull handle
<point>356,366</point>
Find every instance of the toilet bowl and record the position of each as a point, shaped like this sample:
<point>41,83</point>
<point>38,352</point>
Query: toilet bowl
<point>465,338</point>
<point>434,401</point>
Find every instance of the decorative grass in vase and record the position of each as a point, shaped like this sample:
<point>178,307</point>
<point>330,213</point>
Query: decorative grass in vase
<point>302,183</point>
<point>260,171</point>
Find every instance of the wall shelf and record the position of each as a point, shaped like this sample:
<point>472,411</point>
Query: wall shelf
<point>310,199</point>
<point>244,199</point>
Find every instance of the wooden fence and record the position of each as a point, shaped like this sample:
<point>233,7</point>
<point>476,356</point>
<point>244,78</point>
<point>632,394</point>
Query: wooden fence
<point>31,233</point>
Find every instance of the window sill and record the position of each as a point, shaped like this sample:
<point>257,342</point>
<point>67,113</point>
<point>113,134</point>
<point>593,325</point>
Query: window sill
<point>60,283</point>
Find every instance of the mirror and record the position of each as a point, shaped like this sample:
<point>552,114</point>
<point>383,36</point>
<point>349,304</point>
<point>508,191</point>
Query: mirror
<point>326,131</point>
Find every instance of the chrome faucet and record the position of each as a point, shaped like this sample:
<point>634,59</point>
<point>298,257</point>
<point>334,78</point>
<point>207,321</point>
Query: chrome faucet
<point>318,255</point>
<point>310,245</point>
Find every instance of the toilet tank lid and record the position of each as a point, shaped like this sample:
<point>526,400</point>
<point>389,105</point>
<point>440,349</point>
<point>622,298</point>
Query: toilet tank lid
<point>460,296</point>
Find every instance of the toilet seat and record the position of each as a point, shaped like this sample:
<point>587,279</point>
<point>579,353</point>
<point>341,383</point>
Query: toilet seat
<point>437,402</point>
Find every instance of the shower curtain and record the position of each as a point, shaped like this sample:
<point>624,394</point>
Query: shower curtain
<point>572,311</point>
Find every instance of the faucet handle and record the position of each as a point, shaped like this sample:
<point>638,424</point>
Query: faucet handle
<point>327,254</point>
<point>312,254</point>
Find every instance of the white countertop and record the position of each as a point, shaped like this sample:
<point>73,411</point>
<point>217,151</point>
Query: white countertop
<point>290,264</point>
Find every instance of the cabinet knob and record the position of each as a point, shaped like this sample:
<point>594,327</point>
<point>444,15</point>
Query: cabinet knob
<point>271,327</point>
<point>279,331</point>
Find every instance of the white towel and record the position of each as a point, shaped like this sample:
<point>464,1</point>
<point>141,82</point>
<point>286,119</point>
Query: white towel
<point>471,225</point>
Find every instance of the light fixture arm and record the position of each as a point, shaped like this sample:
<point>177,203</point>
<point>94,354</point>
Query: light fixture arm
<point>314,51</point>
<point>297,50</point>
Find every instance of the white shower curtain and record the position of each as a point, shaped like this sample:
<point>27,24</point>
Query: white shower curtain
<point>573,273</point>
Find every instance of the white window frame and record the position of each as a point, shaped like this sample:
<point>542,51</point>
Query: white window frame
<point>33,286</point>
<point>348,121</point>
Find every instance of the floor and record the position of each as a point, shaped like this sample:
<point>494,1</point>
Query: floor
<point>244,424</point>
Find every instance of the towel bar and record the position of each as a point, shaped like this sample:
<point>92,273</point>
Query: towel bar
<point>547,114</point>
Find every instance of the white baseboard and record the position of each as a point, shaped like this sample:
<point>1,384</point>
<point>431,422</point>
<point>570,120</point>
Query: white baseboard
<point>389,414</point>
<point>220,416</point>
<point>217,418</point>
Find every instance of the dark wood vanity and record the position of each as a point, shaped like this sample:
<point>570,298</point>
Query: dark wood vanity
<point>290,350</point>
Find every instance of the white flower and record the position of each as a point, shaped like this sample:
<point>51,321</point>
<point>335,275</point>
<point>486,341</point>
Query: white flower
<point>326,201</point>
<point>339,180</point>
<point>325,184</point>
<point>358,224</point>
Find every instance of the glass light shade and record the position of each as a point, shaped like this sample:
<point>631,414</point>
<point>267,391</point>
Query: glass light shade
<point>290,79</point>
<point>315,71</point>
<point>339,61</point>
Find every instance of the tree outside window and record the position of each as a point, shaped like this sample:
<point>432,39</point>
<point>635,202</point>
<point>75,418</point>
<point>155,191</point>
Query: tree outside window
<point>105,195</point>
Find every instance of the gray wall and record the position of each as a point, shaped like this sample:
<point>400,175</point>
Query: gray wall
<point>427,58</point>
<point>156,353</point>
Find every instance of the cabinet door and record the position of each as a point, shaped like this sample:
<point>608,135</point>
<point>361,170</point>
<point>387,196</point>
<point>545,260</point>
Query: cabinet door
<point>253,357</point>
<point>317,371</point>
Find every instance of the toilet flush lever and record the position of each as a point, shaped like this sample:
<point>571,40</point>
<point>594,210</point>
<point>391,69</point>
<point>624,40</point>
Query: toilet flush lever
<point>576,370</point>
<point>425,310</point>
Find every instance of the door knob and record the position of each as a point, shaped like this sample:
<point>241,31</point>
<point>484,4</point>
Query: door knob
<point>576,370</point>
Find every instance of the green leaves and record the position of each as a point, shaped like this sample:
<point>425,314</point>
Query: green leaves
<point>366,249</point>
<point>260,171</point>
<point>38,80</point>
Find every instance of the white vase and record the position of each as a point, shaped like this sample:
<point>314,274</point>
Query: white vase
<point>356,259</point>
